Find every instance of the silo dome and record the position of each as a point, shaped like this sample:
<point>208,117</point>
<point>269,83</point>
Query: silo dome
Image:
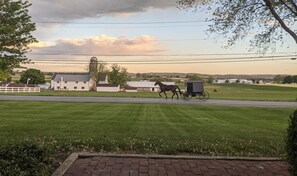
<point>94,59</point>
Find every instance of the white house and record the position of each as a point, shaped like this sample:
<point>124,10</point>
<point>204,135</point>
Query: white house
<point>71,81</point>
<point>146,86</point>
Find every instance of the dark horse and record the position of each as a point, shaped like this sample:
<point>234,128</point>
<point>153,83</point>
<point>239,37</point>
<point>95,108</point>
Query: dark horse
<point>164,88</point>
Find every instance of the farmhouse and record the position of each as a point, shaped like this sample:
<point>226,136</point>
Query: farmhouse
<point>72,81</point>
<point>146,86</point>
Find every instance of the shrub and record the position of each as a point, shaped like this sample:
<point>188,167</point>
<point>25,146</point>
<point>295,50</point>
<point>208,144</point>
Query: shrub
<point>25,159</point>
<point>291,143</point>
<point>215,90</point>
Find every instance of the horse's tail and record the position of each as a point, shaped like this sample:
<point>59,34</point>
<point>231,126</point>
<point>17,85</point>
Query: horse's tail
<point>180,92</point>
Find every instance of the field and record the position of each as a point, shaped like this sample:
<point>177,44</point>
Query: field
<point>147,128</point>
<point>216,91</point>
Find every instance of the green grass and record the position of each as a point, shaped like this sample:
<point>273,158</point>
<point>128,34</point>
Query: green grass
<point>224,91</point>
<point>147,128</point>
<point>252,92</point>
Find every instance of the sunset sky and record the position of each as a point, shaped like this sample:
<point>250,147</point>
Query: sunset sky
<point>160,37</point>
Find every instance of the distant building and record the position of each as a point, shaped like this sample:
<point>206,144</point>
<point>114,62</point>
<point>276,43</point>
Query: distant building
<point>146,86</point>
<point>108,88</point>
<point>241,81</point>
<point>72,81</point>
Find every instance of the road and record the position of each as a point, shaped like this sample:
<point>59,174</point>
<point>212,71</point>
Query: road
<point>149,101</point>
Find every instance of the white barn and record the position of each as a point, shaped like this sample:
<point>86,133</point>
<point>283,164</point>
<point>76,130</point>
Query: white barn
<point>146,86</point>
<point>71,82</point>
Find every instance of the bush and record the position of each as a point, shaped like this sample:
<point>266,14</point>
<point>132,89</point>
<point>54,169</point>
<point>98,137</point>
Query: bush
<point>25,159</point>
<point>291,143</point>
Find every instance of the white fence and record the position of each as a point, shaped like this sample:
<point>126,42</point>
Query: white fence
<point>19,89</point>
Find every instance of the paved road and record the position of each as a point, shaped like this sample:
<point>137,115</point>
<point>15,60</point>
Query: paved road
<point>126,166</point>
<point>150,100</point>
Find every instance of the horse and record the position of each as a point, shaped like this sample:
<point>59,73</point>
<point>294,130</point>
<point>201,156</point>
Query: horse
<point>164,88</point>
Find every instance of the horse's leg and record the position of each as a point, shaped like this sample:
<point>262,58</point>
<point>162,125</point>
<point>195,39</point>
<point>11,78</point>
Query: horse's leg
<point>160,94</point>
<point>173,93</point>
<point>165,94</point>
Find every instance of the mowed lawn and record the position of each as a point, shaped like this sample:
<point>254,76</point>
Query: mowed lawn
<point>252,92</point>
<point>216,91</point>
<point>147,128</point>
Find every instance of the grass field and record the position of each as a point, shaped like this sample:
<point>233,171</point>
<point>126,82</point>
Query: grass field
<point>252,92</point>
<point>223,91</point>
<point>147,128</point>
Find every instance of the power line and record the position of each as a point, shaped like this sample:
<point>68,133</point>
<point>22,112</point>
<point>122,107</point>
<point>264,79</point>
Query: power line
<point>158,55</point>
<point>128,27</point>
<point>167,62</point>
<point>117,23</point>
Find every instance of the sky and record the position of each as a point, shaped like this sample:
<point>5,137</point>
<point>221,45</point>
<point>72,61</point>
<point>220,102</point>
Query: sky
<point>143,36</point>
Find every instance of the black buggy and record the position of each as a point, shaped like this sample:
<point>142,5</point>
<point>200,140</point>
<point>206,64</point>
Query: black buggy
<point>195,89</point>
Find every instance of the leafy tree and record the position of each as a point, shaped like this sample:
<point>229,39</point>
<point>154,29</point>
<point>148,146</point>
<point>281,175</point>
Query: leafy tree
<point>237,19</point>
<point>34,76</point>
<point>102,70</point>
<point>294,79</point>
<point>15,34</point>
<point>278,79</point>
<point>118,75</point>
<point>194,77</point>
<point>288,80</point>
<point>4,75</point>
<point>210,80</point>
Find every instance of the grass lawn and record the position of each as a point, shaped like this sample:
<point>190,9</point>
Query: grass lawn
<point>224,91</point>
<point>147,128</point>
<point>252,92</point>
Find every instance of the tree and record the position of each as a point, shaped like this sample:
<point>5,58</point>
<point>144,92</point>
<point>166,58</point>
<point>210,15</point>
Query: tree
<point>4,75</point>
<point>118,75</point>
<point>102,70</point>
<point>288,80</point>
<point>33,76</point>
<point>194,77</point>
<point>294,79</point>
<point>278,79</point>
<point>237,19</point>
<point>210,80</point>
<point>15,34</point>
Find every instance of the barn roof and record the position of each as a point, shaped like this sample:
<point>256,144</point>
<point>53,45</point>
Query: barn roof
<point>72,77</point>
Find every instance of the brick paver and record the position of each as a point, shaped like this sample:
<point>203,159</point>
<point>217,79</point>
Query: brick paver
<point>112,166</point>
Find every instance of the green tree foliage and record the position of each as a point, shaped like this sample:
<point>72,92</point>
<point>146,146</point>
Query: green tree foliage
<point>238,19</point>
<point>34,76</point>
<point>194,77</point>
<point>15,34</point>
<point>118,75</point>
<point>4,75</point>
<point>278,79</point>
<point>291,143</point>
<point>210,80</point>
<point>288,80</point>
<point>102,70</point>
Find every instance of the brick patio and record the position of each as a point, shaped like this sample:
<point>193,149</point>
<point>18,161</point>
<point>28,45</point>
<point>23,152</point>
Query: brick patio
<point>125,166</point>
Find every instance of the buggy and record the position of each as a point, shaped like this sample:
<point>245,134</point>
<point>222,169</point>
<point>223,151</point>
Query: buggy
<point>195,89</point>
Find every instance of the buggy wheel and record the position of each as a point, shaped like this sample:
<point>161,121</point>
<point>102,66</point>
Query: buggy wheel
<point>204,96</point>
<point>187,96</point>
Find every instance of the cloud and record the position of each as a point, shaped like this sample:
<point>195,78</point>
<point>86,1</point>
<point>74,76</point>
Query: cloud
<point>78,9</point>
<point>100,45</point>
